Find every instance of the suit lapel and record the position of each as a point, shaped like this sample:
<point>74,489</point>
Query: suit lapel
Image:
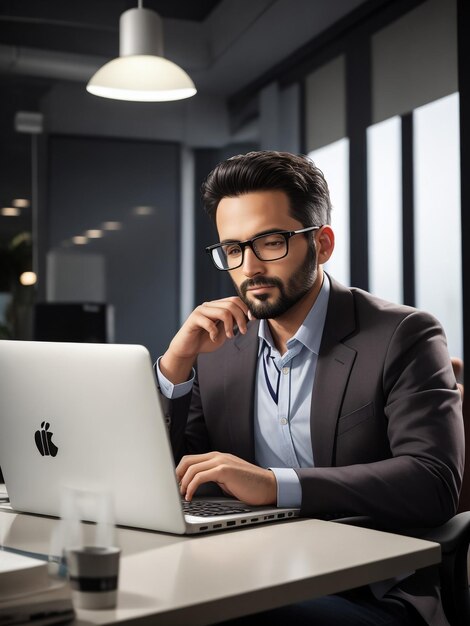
<point>239,386</point>
<point>335,361</point>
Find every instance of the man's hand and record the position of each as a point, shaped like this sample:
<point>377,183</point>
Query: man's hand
<point>205,330</point>
<point>238,478</point>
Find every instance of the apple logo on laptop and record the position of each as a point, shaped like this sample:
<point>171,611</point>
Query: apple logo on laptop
<point>43,439</point>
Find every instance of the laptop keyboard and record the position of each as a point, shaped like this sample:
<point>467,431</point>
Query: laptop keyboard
<point>209,509</point>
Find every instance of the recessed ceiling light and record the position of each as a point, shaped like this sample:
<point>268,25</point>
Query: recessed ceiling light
<point>28,278</point>
<point>94,233</point>
<point>79,240</point>
<point>10,211</point>
<point>143,210</point>
<point>111,225</point>
<point>21,203</point>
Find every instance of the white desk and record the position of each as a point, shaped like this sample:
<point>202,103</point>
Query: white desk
<point>167,579</point>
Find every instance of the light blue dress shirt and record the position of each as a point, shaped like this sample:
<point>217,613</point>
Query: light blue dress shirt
<point>282,430</point>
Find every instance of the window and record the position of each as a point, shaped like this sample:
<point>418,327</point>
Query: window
<point>438,270</point>
<point>333,160</point>
<point>384,193</point>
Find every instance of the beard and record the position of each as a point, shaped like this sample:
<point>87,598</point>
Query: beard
<point>297,286</point>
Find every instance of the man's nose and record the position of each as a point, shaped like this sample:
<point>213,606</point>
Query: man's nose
<point>251,264</point>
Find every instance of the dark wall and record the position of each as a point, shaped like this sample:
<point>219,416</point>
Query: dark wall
<point>93,180</point>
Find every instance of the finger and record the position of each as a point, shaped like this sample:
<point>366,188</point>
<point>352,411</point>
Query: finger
<point>239,302</point>
<point>227,312</point>
<point>204,322</point>
<point>193,470</point>
<point>231,311</point>
<point>213,474</point>
<point>190,459</point>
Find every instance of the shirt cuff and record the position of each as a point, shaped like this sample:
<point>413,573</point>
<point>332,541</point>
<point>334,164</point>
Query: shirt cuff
<point>289,491</point>
<point>168,389</point>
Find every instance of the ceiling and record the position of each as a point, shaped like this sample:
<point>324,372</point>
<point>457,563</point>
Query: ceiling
<point>225,45</point>
<point>87,27</point>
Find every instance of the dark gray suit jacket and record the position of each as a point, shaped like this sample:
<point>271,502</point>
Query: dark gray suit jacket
<point>386,420</point>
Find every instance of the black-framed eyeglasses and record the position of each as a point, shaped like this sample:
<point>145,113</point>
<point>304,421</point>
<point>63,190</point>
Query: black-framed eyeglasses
<point>270,247</point>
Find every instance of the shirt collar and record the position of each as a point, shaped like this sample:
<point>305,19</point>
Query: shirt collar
<point>310,331</point>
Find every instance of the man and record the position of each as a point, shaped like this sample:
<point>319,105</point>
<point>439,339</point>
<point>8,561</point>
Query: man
<point>308,393</point>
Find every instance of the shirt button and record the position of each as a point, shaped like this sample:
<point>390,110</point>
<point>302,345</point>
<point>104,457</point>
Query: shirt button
<point>285,370</point>
<point>283,421</point>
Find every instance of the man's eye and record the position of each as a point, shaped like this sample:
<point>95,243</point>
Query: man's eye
<point>273,243</point>
<point>232,250</point>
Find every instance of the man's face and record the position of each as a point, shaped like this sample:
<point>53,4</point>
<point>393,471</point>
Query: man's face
<point>269,288</point>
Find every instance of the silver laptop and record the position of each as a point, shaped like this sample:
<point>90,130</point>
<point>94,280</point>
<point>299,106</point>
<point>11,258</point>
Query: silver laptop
<point>88,417</point>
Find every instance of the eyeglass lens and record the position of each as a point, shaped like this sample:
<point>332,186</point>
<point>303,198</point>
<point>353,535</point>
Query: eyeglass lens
<point>267,248</point>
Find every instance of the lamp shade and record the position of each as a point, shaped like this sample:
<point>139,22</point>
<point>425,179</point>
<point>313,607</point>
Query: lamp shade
<point>143,78</point>
<point>141,73</point>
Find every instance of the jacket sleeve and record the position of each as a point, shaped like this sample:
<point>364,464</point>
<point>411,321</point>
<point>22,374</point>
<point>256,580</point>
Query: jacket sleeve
<point>419,484</point>
<point>186,425</point>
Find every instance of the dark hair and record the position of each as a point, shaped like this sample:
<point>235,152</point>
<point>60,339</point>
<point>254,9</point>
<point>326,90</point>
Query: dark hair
<point>296,175</point>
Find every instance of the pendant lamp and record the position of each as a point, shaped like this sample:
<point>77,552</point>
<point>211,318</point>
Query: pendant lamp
<point>140,73</point>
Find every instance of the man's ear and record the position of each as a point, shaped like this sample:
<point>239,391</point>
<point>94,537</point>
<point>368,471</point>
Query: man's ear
<point>325,244</point>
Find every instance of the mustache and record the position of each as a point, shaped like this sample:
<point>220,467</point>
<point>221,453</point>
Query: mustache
<point>259,282</point>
